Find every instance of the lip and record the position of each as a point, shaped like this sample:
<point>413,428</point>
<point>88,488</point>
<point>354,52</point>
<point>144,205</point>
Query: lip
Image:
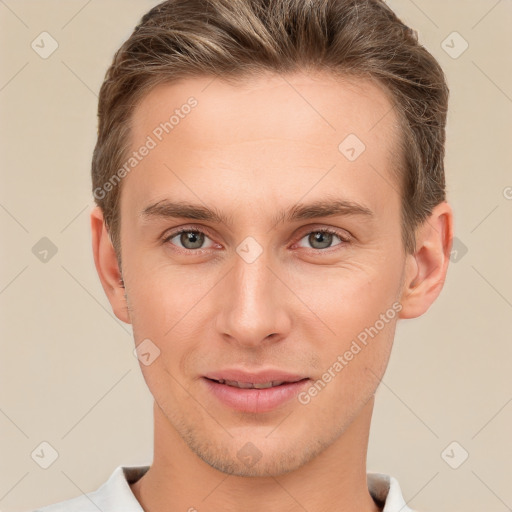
<point>254,377</point>
<point>256,400</point>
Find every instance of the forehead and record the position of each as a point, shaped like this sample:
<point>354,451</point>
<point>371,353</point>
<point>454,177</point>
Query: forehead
<point>318,102</point>
<point>282,132</point>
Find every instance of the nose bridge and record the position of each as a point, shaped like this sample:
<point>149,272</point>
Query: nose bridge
<point>253,306</point>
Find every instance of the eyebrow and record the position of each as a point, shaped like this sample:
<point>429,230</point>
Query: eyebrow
<point>300,211</point>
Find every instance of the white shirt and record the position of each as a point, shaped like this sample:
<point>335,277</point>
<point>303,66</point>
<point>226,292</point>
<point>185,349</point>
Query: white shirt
<point>115,494</point>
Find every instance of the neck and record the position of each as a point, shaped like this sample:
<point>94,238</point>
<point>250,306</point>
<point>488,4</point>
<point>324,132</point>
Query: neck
<point>335,480</point>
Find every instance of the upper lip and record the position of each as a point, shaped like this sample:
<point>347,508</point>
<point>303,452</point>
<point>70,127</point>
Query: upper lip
<point>258,377</point>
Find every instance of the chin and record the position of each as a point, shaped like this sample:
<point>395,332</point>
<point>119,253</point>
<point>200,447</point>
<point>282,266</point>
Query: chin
<point>257,456</point>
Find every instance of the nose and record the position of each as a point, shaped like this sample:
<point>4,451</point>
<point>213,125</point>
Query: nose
<point>254,303</point>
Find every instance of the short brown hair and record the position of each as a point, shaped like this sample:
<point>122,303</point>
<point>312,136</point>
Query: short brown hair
<point>234,39</point>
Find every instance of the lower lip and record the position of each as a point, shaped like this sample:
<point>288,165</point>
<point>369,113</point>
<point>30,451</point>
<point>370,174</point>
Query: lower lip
<point>255,400</point>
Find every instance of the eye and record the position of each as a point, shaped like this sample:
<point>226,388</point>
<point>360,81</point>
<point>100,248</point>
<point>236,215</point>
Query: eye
<point>190,239</point>
<point>322,238</point>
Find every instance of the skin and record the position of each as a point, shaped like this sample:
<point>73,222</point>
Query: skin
<point>249,151</point>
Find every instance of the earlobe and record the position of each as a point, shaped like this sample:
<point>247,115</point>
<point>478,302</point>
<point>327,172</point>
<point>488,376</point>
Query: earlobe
<point>427,268</point>
<point>105,260</point>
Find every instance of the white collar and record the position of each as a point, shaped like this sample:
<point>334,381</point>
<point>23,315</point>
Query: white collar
<point>385,490</point>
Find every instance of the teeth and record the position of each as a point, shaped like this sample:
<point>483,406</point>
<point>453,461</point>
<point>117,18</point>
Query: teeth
<point>243,385</point>
<point>264,385</point>
<point>250,385</point>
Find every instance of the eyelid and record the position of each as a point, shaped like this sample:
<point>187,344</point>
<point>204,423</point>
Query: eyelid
<point>343,234</point>
<point>192,227</point>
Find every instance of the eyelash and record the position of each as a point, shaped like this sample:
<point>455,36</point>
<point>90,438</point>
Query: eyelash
<point>344,239</point>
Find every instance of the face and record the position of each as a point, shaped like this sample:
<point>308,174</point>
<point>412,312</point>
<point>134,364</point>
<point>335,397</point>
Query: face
<point>300,271</point>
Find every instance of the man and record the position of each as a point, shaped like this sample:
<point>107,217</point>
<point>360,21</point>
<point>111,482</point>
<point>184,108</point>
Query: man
<point>270,201</point>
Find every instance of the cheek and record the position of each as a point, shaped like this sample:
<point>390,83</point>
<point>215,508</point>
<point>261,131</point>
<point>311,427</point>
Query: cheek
<point>170,308</point>
<point>349,298</point>
<point>353,361</point>
<point>353,327</point>
<point>161,294</point>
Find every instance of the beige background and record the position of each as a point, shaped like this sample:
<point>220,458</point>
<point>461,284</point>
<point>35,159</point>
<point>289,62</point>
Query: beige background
<point>68,374</point>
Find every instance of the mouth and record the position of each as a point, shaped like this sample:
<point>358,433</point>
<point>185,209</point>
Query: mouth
<point>253,385</point>
<point>254,397</point>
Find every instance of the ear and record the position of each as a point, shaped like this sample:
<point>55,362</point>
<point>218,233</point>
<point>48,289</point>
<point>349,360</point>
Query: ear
<point>106,263</point>
<point>426,268</point>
